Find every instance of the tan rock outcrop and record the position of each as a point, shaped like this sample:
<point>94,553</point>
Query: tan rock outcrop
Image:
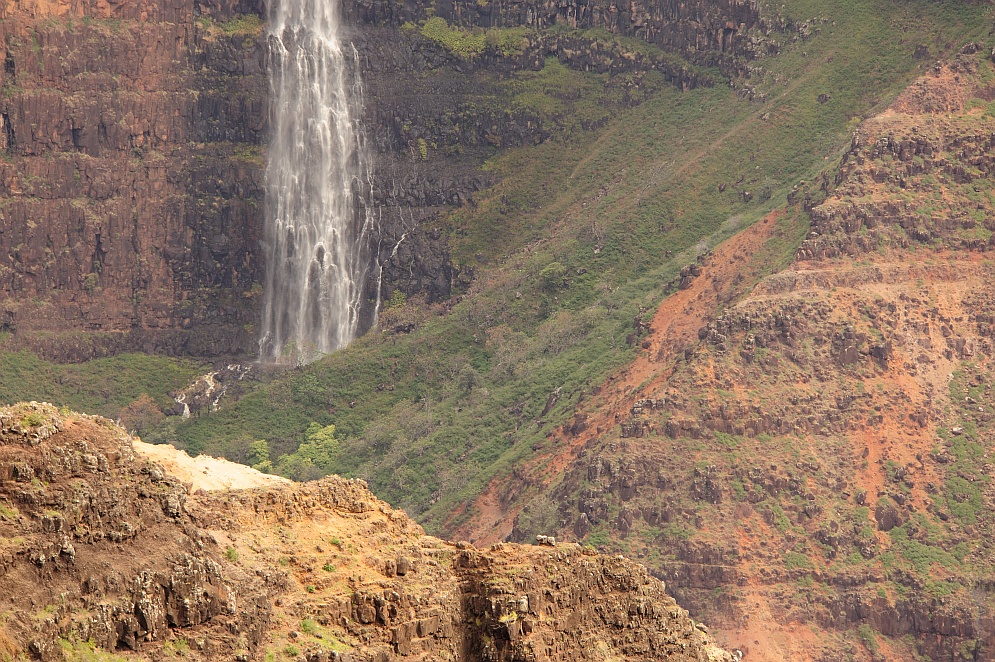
<point>104,548</point>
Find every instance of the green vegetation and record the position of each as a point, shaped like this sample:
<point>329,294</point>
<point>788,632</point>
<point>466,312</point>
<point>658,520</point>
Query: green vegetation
<point>8,512</point>
<point>178,647</point>
<point>966,479</point>
<point>251,154</point>
<point>102,386</point>
<point>598,538</point>
<point>794,560</point>
<point>469,43</point>
<point>868,637</point>
<point>32,419</point>
<point>463,43</point>
<point>921,555</point>
<point>314,634</point>
<point>239,25</point>
<point>781,520</point>
<point>87,651</point>
<point>313,458</point>
<point>231,554</point>
<point>259,456</point>
<point>507,41</point>
<point>243,24</point>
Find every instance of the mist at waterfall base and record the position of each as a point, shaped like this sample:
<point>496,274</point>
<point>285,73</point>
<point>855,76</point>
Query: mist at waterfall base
<point>318,179</point>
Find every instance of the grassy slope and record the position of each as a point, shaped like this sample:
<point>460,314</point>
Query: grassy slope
<point>429,418</point>
<point>102,386</point>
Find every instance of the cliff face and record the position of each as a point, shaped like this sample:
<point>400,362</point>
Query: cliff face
<point>702,31</point>
<point>102,547</point>
<point>133,150</point>
<point>131,175</point>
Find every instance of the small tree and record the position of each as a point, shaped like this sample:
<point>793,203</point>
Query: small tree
<point>320,446</point>
<point>141,415</point>
<point>259,456</point>
<point>553,276</point>
<point>315,457</point>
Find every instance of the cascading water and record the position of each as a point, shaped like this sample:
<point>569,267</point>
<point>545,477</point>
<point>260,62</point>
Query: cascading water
<point>318,224</point>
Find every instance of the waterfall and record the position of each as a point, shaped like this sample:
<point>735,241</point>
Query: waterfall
<point>318,224</point>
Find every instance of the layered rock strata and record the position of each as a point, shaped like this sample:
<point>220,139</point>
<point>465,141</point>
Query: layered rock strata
<point>130,183</point>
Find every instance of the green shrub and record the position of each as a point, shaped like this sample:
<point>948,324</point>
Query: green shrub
<point>32,419</point>
<point>8,512</point>
<point>91,282</point>
<point>462,43</point>
<point>867,637</point>
<point>87,651</point>
<point>259,456</point>
<point>242,24</point>
<point>314,457</point>
<point>553,276</point>
<point>599,538</point>
<point>793,560</point>
<point>507,41</point>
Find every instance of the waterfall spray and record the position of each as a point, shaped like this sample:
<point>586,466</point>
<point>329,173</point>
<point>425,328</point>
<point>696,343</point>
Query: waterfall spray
<point>318,173</point>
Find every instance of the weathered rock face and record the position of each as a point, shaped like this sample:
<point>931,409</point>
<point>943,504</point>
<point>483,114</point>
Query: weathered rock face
<point>103,546</point>
<point>133,143</point>
<point>931,143</point>
<point>131,175</point>
<point>75,494</point>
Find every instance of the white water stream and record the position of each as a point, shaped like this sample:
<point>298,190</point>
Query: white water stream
<point>318,171</point>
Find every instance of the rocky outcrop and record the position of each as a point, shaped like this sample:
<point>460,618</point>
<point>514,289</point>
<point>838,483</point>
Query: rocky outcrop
<point>103,548</point>
<point>912,175</point>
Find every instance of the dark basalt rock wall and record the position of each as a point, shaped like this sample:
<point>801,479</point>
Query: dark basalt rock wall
<point>702,31</point>
<point>131,178</point>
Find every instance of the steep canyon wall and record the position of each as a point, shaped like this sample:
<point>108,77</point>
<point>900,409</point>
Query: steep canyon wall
<point>131,176</point>
<point>133,149</point>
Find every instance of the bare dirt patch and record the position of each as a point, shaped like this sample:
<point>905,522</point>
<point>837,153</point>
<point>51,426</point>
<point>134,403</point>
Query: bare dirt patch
<point>205,472</point>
